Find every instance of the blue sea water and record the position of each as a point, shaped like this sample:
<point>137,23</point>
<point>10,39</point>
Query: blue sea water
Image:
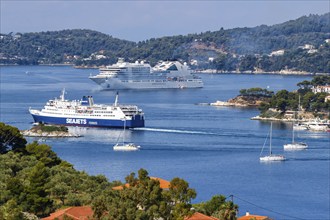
<point>216,149</point>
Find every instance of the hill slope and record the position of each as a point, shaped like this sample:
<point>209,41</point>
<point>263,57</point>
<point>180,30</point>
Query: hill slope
<point>301,43</point>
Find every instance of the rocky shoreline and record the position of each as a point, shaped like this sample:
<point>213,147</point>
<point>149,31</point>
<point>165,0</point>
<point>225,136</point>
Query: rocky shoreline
<point>50,131</point>
<point>53,134</point>
<point>239,101</point>
<point>252,102</point>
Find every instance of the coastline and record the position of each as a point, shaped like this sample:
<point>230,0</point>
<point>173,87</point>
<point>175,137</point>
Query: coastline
<point>281,72</point>
<point>207,71</point>
<point>276,119</point>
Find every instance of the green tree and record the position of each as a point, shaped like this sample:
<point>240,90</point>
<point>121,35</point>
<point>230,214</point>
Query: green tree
<point>320,80</point>
<point>227,211</point>
<point>305,85</point>
<point>11,211</point>
<point>10,138</point>
<point>144,199</point>
<point>180,195</point>
<point>37,200</point>
<point>43,153</point>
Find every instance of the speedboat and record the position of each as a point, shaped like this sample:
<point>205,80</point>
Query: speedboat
<point>299,126</point>
<point>295,146</point>
<point>126,147</point>
<point>272,157</point>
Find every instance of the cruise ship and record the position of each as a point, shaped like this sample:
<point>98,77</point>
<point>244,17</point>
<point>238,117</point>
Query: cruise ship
<point>140,75</point>
<point>87,114</point>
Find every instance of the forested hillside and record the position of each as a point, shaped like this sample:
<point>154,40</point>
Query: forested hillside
<point>35,182</point>
<point>298,45</point>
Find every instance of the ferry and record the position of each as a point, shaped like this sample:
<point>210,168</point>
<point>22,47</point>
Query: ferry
<point>140,75</point>
<point>86,113</point>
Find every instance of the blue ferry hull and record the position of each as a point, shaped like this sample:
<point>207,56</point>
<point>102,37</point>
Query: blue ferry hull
<point>137,121</point>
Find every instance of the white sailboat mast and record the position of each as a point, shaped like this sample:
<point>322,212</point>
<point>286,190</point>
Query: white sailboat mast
<point>124,130</point>
<point>292,133</point>
<point>270,138</point>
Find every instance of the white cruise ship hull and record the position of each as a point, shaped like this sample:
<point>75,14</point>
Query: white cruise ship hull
<point>147,84</point>
<point>139,75</point>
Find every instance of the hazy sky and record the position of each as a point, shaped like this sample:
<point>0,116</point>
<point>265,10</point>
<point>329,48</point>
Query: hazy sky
<point>141,20</point>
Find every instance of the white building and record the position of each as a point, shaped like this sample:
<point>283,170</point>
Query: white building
<point>211,59</point>
<point>321,89</point>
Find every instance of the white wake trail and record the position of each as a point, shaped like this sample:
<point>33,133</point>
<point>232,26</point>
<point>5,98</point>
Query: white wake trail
<point>172,131</point>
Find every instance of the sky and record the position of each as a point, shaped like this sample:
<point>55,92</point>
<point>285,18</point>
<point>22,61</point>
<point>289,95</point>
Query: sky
<point>142,20</point>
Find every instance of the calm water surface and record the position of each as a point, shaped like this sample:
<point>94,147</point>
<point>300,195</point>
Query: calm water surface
<point>216,149</point>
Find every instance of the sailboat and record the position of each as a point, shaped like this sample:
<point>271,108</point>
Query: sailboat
<point>298,125</point>
<point>295,145</point>
<point>125,146</point>
<point>271,156</point>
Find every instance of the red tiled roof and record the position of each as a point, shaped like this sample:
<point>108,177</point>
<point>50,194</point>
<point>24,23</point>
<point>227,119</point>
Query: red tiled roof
<point>77,213</point>
<point>200,216</point>
<point>254,217</point>
<point>164,184</point>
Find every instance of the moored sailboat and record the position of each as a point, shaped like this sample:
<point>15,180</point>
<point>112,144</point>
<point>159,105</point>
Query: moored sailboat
<point>125,146</point>
<point>271,156</point>
<point>295,145</point>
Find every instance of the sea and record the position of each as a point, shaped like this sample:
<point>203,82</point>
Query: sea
<point>215,149</point>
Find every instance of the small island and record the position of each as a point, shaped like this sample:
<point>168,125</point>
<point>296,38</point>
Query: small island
<point>309,104</point>
<point>247,98</point>
<point>42,130</point>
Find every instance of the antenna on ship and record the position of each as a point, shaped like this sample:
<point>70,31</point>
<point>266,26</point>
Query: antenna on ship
<point>116,100</point>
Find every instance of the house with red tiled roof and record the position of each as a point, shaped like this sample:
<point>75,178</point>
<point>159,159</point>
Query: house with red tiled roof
<point>76,213</point>
<point>164,184</point>
<point>200,216</point>
<point>248,216</point>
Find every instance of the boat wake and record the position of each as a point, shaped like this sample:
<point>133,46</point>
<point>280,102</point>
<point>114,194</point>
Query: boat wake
<point>173,131</point>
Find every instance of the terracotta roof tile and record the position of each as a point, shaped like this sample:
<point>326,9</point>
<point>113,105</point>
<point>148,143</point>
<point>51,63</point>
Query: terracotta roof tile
<point>200,216</point>
<point>253,217</point>
<point>77,213</point>
<point>164,184</point>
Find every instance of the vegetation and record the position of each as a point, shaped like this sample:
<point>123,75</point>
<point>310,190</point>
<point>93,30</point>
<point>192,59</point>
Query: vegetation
<point>10,138</point>
<point>284,100</point>
<point>257,92</point>
<point>35,180</point>
<point>218,207</point>
<point>49,128</point>
<point>243,49</point>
